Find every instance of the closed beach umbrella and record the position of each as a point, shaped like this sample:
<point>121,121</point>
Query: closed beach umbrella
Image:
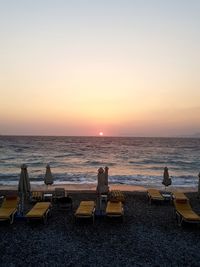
<point>48,179</point>
<point>24,186</point>
<point>102,186</point>
<point>106,175</point>
<point>166,179</point>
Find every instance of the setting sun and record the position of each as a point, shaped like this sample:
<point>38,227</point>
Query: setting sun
<point>101,134</point>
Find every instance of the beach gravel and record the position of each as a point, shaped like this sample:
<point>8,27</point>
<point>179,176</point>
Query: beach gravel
<point>148,236</point>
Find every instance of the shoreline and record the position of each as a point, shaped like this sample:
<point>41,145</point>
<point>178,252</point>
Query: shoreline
<point>91,188</point>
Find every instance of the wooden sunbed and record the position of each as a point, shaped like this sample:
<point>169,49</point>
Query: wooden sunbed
<point>9,208</point>
<point>86,209</point>
<point>180,195</point>
<point>184,212</point>
<point>154,195</point>
<point>36,196</point>
<point>39,211</point>
<point>114,209</point>
<point>116,195</point>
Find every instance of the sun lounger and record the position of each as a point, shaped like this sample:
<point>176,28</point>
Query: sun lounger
<point>180,195</point>
<point>39,211</point>
<point>116,195</point>
<point>184,212</point>
<point>9,208</point>
<point>114,209</point>
<point>154,195</point>
<point>86,209</point>
<point>59,192</point>
<point>36,196</point>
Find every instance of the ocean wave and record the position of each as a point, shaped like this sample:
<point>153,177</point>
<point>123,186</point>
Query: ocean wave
<point>77,159</point>
<point>142,180</point>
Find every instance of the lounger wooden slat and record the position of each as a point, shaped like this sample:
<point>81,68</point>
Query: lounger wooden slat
<point>116,195</point>
<point>114,209</point>
<point>184,212</point>
<point>86,209</point>
<point>154,195</point>
<point>36,196</point>
<point>39,211</point>
<point>8,209</point>
<point>180,195</point>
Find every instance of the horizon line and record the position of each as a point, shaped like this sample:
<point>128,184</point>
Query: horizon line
<point>104,136</point>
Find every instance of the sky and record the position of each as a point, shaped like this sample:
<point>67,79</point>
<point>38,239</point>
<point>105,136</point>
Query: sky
<point>81,67</point>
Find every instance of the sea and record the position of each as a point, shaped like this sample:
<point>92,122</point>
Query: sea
<point>76,160</point>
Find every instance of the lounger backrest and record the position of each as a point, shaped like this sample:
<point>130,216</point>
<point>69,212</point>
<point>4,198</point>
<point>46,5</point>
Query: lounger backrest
<point>37,195</point>
<point>154,193</point>
<point>59,192</point>
<point>116,195</point>
<point>179,195</point>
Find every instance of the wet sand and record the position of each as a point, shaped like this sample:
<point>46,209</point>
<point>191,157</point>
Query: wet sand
<point>78,187</point>
<point>92,188</point>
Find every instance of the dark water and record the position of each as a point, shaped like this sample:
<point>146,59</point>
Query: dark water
<point>135,161</point>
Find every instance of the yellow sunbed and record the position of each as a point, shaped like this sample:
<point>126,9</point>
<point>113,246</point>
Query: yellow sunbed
<point>36,196</point>
<point>85,210</point>
<point>180,195</point>
<point>9,208</point>
<point>114,209</point>
<point>116,195</point>
<point>154,195</point>
<point>39,211</point>
<point>184,212</point>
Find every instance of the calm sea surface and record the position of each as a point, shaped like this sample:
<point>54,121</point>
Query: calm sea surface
<point>134,161</point>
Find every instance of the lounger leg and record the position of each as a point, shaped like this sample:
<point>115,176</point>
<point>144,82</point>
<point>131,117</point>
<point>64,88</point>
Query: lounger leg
<point>12,217</point>
<point>179,219</point>
<point>45,219</point>
<point>45,216</point>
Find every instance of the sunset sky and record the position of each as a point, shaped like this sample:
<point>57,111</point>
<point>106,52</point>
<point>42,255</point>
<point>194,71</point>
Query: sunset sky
<point>123,68</point>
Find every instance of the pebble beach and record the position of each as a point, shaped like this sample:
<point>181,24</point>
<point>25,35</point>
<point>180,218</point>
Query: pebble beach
<point>148,236</point>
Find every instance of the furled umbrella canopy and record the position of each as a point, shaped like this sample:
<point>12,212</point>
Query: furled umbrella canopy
<point>199,185</point>
<point>102,181</point>
<point>24,186</point>
<point>166,179</point>
<point>48,179</point>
